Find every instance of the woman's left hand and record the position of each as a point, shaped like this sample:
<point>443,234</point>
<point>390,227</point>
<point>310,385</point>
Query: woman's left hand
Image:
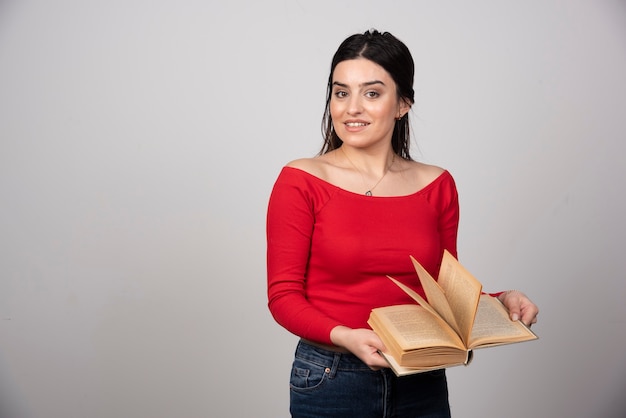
<point>519,306</point>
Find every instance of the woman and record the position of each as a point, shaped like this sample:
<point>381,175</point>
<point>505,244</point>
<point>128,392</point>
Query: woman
<point>338,223</point>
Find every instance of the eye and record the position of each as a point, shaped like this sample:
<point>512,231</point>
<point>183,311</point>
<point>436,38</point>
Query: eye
<point>340,94</point>
<point>372,94</point>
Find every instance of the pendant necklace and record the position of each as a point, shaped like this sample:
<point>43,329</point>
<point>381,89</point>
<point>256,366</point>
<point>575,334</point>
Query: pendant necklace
<point>369,191</point>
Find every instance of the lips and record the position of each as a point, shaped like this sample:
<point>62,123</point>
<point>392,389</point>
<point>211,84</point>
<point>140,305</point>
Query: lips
<point>355,123</point>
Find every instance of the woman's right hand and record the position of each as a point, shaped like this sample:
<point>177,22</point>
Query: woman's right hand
<point>363,343</point>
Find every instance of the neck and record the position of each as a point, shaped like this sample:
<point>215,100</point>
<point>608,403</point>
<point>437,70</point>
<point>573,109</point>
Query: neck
<point>368,163</point>
<point>371,178</point>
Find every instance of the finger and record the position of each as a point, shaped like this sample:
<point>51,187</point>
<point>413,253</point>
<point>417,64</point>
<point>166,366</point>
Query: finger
<point>513,302</point>
<point>514,311</point>
<point>377,361</point>
<point>376,343</point>
<point>529,311</point>
<point>530,315</point>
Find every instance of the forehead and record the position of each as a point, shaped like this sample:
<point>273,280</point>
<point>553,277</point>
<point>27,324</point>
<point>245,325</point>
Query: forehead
<point>360,70</point>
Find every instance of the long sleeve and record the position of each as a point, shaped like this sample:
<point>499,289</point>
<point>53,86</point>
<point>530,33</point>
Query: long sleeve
<point>290,223</point>
<point>448,206</point>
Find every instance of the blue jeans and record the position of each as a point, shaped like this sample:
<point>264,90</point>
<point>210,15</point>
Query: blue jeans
<point>328,384</point>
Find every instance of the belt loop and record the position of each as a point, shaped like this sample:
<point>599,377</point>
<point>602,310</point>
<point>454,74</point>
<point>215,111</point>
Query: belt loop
<point>335,366</point>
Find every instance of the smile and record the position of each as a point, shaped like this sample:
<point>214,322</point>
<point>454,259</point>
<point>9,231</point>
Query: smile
<point>356,124</point>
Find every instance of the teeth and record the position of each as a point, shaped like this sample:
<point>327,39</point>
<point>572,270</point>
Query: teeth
<point>355,124</point>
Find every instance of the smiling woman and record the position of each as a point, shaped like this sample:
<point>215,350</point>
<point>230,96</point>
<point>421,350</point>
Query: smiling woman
<point>338,223</point>
<point>364,104</point>
<point>394,58</point>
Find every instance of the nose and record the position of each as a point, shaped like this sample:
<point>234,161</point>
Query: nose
<point>354,105</point>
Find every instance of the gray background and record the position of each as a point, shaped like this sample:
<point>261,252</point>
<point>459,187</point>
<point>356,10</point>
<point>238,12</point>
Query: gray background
<point>139,144</point>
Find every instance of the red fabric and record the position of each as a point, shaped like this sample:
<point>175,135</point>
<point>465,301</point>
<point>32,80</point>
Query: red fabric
<point>329,250</point>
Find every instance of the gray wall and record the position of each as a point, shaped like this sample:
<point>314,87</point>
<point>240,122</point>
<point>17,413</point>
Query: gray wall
<point>139,144</point>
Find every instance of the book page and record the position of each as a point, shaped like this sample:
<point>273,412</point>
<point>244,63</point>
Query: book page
<point>413,327</point>
<point>416,296</point>
<point>493,325</point>
<point>436,297</point>
<point>462,291</point>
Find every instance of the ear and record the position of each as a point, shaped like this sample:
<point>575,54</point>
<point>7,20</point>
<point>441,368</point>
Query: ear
<point>403,108</point>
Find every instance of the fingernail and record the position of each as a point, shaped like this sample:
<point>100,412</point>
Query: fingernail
<point>514,317</point>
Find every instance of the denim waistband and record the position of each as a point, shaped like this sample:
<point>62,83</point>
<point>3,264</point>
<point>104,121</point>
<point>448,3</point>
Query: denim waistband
<point>327,358</point>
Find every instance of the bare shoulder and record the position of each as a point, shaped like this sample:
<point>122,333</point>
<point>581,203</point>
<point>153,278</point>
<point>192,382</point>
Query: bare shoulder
<point>316,166</point>
<point>420,174</point>
<point>429,172</point>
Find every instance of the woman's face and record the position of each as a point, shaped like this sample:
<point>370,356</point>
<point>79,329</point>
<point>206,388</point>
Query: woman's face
<point>364,103</point>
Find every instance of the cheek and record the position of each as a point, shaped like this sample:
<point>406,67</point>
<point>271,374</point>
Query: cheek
<point>385,114</point>
<point>383,108</point>
<point>335,108</point>
<point>335,112</point>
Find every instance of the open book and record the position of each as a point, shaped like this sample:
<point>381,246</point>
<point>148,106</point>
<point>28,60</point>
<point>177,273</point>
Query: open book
<point>443,331</point>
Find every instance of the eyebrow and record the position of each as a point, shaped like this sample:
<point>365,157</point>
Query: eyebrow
<point>366,84</point>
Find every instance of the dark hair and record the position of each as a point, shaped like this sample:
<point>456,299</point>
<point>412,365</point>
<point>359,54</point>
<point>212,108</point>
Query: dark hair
<point>390,53</point>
